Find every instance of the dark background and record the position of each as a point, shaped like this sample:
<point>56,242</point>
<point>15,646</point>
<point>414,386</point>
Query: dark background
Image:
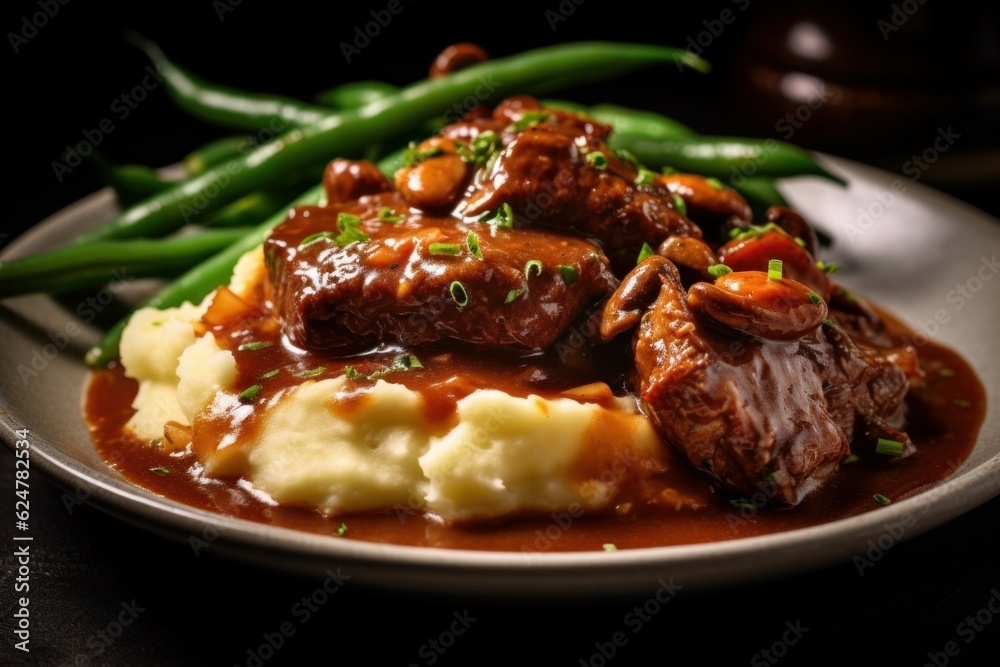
<point>939,70</point>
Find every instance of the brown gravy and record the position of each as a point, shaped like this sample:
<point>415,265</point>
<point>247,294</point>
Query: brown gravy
<point>945,412</point>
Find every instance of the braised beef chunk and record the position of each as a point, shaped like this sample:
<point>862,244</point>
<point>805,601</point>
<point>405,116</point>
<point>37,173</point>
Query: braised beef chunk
<point>757,412</point>
<point>555,170</point>
<point>350,277</point>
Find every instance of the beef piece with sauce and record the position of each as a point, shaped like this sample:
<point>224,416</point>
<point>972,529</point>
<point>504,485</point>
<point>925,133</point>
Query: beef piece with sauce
<point>554,169</point>
<point>746,378</point>
<point>348,284</point>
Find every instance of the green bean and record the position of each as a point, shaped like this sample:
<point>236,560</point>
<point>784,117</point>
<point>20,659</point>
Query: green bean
<point>224,105</point>
<point>725,158</point>
<point>348,133</point>
<point>196,283</point>
<point>131,182</point>
<point>355,94</point>
<point>199,160</point>
<point>88,266</point>
<point>635,125</point>
<point>250,210</point>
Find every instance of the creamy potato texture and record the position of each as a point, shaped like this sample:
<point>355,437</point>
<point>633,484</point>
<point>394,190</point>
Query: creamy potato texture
<point>498,455</point>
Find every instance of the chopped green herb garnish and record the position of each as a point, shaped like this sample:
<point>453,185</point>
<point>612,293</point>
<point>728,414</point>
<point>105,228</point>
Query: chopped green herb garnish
<point>386,214</point>
<point>413,155</point>
<point>503,218</point>
<point>882,499</point>
<point>409,361</point>
<point>853,458</point>
<point>483,148</point>
<point>569,274</point>
<point>157,443</point>
<point>160,470</point>
<point>743,504</point>
<point>401,363</point>
<point>445,249</point>
<point>889,447</point>
<point>253,346</point>
<point>962,403</point>
<point>946,373</point>
<point>532,266</point>
<point>459,294</point>
<point>319,370</point>
<point>317,237</point>
<point>530,119</point>
<point>799,242</point>
<point>755,231</point>
<point>814,297</point>
<point>597,160</point>
<point>609,547</point>
<point>472,240</point>
<point>349,232</point>
<point>645,178</point>
<point>628,156</point>
<point>715,183</point>
<point>250,393</point>
<point>644,252</point>
<point>719,270</point>
<point>342,529</point>
<point>829,323</point>
<point>513,294</point>
<point>828,269</point>
<point>667,170</point>
<point>270,374</point>
<point>774,269</point>
<point>680,204</point>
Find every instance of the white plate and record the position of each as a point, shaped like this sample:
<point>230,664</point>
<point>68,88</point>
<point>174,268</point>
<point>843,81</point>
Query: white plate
<point>905,249</point>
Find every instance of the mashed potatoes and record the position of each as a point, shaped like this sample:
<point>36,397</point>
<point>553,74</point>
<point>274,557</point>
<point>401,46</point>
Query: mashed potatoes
<point>500,454</point>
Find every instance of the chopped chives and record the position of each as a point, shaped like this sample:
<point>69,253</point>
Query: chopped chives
<point>413,155</point>
<point>889,447</point>
<point>645,252</point>
<point>774,269</point>
<point>459,294</point>
<point>386,214</point>
<point>609,547</point>
<point>270,374</point>
<point>814,297</point>
<point>160,470</point>
<point>645,178</point>
<point>409,361</point>
<point>253,346</point>
<point>569,274</point>
<point>317,237</point>
<point>680,204</point>
<point>532,266</point>
<point>250,393</point>
<point>882,499</point>
<point>718,270</point>
<point>715,183</point>
<point>445,249</point>
<point>828,269</point>
<point>946,373</point>
<point>853,458</point>
<point>319,370</point>
<point>513,294</point>
<point>504,217</point>
<point>530,119</point>
<point>743,504</point>
<point>597,160</point>
<point>472,240</point>
<point>342,529</point>
<point>799,242</point>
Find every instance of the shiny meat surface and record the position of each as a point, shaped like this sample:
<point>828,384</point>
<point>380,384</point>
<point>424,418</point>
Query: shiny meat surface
<point>772,414</point>
<point>422,279</point>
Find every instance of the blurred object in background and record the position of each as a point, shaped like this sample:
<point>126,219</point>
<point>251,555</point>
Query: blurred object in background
<point>910,86</point>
